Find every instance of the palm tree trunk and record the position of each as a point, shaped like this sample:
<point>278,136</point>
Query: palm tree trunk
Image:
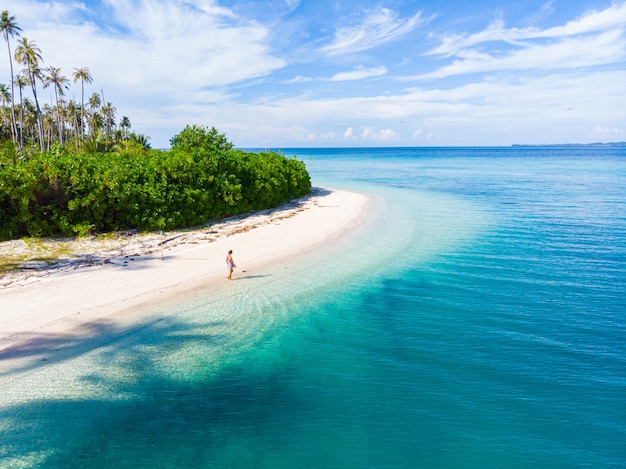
<point>21,120</point>
<point>42,140</point>
<point>82,110</point>
<point>13,126</point>
<point>59,117</point>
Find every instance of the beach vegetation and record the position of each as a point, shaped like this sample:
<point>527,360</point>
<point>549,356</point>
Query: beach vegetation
<point>71,169</point>
<point>90,125</point>
<point>63,192</point>
<point>10,29</point>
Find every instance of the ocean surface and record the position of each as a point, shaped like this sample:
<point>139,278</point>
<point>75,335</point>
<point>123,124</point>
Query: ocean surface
<point>476,319</point>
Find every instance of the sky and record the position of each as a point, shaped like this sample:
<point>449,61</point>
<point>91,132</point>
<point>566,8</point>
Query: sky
<point>344,73</point>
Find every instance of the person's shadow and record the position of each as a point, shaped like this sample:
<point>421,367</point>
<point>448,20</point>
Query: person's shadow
<point>251,276</point>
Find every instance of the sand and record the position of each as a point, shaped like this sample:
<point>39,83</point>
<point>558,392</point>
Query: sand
<point>108,278</point>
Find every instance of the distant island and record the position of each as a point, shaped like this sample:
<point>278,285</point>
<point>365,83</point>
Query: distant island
<point>596,144</point>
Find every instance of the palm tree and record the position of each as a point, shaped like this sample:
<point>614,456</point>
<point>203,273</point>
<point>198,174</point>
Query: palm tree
<point>95,102</point>
<point>83,75</point>
<point>95,119</point>
<point>54,77</point>
<point>141,139</point>
<point>74,114</point>
<point>125,127</point>
<point>29,54</point>
<point>47,118</point>
<point>29,115</point>
<point>108,118</point>
<point>21,81</point>
<point>5,99</point>
<point>9,28</point>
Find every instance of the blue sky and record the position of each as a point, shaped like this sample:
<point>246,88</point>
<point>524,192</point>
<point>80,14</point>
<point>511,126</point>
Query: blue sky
<point>323,73</point>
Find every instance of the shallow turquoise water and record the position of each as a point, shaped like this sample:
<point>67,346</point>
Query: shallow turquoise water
<point>478,319</point>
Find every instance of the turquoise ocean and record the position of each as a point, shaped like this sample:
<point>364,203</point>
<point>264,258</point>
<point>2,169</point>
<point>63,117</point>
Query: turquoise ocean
<point>477,318</point>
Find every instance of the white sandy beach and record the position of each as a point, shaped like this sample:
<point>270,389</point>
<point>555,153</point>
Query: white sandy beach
<point>50,303</point>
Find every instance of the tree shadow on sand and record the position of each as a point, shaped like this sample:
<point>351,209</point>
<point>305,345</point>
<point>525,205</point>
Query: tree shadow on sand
<point>151,414</point>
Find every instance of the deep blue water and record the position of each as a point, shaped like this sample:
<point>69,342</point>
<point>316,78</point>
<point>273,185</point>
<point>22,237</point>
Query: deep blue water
<point>478,319</point>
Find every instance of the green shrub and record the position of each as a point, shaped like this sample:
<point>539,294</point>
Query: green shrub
<point>201,178</point>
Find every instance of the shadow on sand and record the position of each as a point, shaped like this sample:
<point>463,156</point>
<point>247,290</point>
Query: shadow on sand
<point>184,417</point>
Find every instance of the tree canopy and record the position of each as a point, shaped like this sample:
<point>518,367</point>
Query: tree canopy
<point>201,178</point>
<point>31,127</point>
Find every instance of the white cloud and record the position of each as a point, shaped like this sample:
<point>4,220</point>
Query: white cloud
<point>595,38</point>
<point>608,134</point>
<point>46,12</point>
<point>547,9</point>
<point>612,18</point>
<point>551,109</point>
<point>207,6</point>
<point>328,136</point>
<point>297,79</point>
<point>604,48</point>
<point>379,26</point>
<point>382,135</point>
<point>169,63</point>
<point>174,48</point>
<point>360,74</point>
<point>592,21</point>
<point>292,4</point>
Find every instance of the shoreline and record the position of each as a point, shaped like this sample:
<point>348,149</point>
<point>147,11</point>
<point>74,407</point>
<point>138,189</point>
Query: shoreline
<point>47,304</point>
<point>65,254</point>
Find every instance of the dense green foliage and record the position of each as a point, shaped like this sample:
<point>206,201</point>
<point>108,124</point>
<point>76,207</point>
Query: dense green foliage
<point>202,177</point>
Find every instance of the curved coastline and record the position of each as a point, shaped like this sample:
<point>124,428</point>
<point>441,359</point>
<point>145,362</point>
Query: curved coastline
<point>64,302</point>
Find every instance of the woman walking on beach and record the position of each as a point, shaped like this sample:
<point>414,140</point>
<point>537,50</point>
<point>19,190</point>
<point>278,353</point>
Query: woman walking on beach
<point>230,264</point>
